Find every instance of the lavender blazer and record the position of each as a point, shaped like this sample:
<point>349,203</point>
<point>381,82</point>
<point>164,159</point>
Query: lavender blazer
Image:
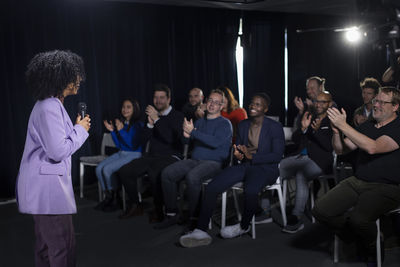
<point>44,184</point>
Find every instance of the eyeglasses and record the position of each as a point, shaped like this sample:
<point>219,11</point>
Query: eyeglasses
<point>217,103</point>
<point>380,102</point>
<point>321,101</point>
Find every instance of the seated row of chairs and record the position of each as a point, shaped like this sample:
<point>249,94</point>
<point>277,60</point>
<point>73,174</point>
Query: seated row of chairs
<point>280,187</point>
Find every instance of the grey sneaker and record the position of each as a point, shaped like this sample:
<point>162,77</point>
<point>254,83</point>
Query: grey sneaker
<point>195,238</point>
<point>233,231</point>
<point>264,217</point>
<point>293,227</point>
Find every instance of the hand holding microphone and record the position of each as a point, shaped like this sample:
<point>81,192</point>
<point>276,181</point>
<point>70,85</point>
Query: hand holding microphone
<point>83,119</point>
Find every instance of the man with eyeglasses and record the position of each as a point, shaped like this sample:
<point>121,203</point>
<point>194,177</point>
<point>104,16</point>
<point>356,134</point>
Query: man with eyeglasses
<point>353,206</point>
<point>312,158</point>
<point>211,137</point>
<point>259,147</point>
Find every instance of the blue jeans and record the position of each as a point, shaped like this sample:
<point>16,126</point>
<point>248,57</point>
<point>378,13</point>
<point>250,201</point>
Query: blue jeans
<point>113,163</point>
<point>304,170</point>
<point>195,172</point>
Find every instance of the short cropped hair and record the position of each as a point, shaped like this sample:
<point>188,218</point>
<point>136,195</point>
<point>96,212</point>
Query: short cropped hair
<point>49,73</point>
<point>264,96</point>
<point>395,93</point>
<point>217,91</point>
<point>370,83</point>
<point>163,88</point>
<point>319,80</point>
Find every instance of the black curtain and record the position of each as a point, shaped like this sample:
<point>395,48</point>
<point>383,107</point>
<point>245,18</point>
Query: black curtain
<point>127,48</point>
<point>325,53</point>
<point>263,64</point>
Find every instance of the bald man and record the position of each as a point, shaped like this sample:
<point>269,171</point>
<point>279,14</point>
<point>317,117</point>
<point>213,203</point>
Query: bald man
<point>196,98</point>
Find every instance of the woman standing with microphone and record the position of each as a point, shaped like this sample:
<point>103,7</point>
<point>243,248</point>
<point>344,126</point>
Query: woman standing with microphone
<point>44,183</point>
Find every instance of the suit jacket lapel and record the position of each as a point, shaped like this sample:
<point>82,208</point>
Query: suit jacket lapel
<point>264,131</point>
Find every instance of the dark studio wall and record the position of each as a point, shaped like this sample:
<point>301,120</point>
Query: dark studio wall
<point>129,47</point>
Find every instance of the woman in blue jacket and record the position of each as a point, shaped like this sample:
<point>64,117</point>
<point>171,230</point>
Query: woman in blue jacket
<point>126,136</point>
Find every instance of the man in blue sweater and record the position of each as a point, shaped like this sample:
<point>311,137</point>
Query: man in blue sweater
<point>211,137</point>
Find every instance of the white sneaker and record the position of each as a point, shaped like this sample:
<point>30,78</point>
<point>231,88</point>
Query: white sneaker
<point>233,231</point>
<point>195,238</point>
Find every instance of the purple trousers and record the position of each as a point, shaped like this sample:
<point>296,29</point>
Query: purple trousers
<point>55,241</point>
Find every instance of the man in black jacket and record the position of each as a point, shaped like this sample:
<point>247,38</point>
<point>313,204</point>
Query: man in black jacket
<point>313,158</point>
<point>163,133</point>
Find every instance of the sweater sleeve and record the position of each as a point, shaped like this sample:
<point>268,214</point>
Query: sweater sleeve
<point>57,143</point>
<point>115,139</point>
<point>223,133</point>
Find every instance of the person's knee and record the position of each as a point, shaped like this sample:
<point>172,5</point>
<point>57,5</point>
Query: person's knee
<point>319,213</point>
<point>192,179</point>
<point>358,221</point>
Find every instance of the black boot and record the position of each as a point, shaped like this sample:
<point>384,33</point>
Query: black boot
<point>106,201</point>
<point>113,204</point>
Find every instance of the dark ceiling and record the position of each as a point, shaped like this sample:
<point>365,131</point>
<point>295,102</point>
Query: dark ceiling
<point>324,7</point>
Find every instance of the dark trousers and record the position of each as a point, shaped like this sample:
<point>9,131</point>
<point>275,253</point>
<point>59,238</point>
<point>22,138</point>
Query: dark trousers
<point>352,208</point>
<point>152,165</point>
<point>55,241</point>
<point>254,179</point>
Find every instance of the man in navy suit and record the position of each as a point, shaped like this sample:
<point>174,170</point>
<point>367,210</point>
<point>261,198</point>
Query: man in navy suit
<point>259,147</point>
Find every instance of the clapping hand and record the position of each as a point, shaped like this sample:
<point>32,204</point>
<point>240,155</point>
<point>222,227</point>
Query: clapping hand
<point>188,126</point>
<point>299,104</point>
<point>108,125</point>
<point>316,124</point>
<point>241,152</point>
<point>152,114</point>
<point>306,121</point>
<point>119,124</point>
<point>337,118</point>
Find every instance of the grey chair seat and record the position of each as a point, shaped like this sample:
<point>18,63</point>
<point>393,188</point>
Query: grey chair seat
<point>92,159</point>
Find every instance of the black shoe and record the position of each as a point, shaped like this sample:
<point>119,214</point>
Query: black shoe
<point>294,225</point>
<point>167,222</point>
<point>107,200</point>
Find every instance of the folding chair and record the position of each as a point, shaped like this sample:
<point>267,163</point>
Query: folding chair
<point>94,161</point>
<point>378,242</point>
<point>239,186</point>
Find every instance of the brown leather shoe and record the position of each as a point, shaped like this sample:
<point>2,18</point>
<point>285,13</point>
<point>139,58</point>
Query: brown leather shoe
<point>134,210</point>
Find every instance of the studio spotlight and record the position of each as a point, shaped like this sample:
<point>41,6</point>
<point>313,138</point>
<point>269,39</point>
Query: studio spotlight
<point>353,35</point>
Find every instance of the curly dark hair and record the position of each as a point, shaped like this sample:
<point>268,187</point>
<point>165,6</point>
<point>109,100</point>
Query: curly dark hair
<point>49,73</point>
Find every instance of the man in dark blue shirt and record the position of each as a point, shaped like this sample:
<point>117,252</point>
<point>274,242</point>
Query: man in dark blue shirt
<point>211,137</point>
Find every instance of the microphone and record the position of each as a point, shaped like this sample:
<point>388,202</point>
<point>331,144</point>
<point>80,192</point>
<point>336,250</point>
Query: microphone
<point>82,109</point>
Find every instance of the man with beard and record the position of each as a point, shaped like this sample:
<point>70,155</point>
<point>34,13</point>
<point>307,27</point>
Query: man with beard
<point>353,206</point>
<point>196,98</point>
<point>163,133</point>
<point>313,157</point>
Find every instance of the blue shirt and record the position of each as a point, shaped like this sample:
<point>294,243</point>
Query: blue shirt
<point>212,139</point>
<point>128,140</point>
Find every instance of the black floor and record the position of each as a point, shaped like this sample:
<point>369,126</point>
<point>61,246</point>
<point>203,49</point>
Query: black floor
<point>104,240</point>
